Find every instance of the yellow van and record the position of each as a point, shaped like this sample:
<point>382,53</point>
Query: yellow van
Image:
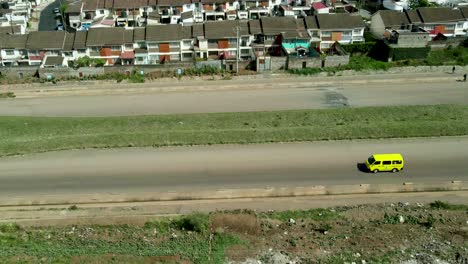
<point>385,162</point>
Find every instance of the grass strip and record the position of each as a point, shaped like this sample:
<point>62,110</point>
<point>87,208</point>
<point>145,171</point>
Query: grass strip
<point>22,135</point>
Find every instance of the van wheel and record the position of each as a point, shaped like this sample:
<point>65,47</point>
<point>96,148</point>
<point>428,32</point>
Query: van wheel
<point>394,170</point>
<point>375,171</point>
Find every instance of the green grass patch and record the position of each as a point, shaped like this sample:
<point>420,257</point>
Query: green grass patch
<point>54,244</point>
<point>357,63</point>
<point>449,56</point>
<point>447,206</point>
<point>20,135</point>
<point>7,95</point>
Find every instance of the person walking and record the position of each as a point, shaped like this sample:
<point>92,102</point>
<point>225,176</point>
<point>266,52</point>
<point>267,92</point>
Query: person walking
<point>464,77</point>
<point>453,69</point>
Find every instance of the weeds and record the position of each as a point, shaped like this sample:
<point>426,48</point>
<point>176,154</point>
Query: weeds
<point>7,95</point>
<point>446,206</point>
<point>313,214</point>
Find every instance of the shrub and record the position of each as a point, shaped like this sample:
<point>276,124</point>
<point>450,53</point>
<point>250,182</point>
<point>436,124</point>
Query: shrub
<point>7,95</point>
<point>363,48</point>
<point>9,228</point>
<point>195,222</point>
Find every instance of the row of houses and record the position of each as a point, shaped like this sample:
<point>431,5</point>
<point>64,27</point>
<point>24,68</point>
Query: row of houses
<point>228,39</point>
<point>86,14</point>
<point>159,44</point>
<point>15,15</point>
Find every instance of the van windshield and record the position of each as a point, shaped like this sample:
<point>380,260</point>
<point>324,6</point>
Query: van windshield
<point>371,160</point>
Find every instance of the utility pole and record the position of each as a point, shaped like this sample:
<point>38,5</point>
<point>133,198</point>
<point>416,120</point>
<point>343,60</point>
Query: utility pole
<point>237,51</point>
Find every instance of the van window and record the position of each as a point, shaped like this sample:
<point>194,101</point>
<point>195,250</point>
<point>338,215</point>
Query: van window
<point>377,162</point>
<point>371,160</point>
<point>397,162</point>
<point>387,162</point>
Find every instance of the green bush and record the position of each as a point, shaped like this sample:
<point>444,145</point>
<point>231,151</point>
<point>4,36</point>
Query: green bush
<point>362,48</point>
<point>196,222</point>
<point>409,53</point>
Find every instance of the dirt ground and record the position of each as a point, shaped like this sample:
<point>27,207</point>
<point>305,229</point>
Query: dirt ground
<point>401,232</point>
<point>392,233</point>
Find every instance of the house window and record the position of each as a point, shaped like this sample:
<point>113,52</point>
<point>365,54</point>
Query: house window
<point>187,43</point>
<point>346,33</point>
<point>139,59</point>
<point>128,46</point>
<point>101,12</point>
<point>357,32</point>
<point>429,27</point>
<point>450,27</point>
<point>9,52</point>
<point>174,45</point>
<point>81,51</point>
<point>94,49</point>
<point>116,48</point>
<point>326,34</point>
<point>53,52</point>
<point>460,25</point>
<point>175,57</point>
<point>270,37</point>
<point>33,53</point>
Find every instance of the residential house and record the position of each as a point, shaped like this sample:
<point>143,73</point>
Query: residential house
<point>165,43</point>
<point>320,8</point>
<point>228,39</point>
<point>464,11</point>
<point>384,21</point>
<point>79,45</point>
<point>313,31</point>
<point>258,12</point>
<point>12,30</point>
<point>74,14</point>
<point>139,44</point>
<point>272,28</point>
<point>214,9</point>
<point>53,61</point>
<point>447,21</point>
<point>200,45</point>
<point>296,42</point>
<point>342,28</point>
<point>44,43</point>
<point>115,45</point>
<point>414,38</point>
<point>153,18</point>
<point>13,50</point>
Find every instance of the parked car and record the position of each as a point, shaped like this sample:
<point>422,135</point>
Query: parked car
<point>59,27</point>
<point>56,10</point>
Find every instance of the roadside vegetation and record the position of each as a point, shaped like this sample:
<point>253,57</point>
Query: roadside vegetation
<point>386,233</point>
<point>20,135</point>
<point>362,62</point>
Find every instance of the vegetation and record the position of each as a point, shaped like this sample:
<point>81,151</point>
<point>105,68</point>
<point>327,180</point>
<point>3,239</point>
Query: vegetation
<point>447,206</point>
<point>358,48</point>
<point>449,56</point>
<point>357,63</point>
<point>413,4</point>
<point>360,234</point>
<point>7,95</point>
<point>37,134</point>
<point>87,62</point>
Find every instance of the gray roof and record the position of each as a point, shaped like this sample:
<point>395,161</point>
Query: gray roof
<point>10,29</point>
<point>13,41</point>
<point>339,21</point>
<point>255,27</point>
<point>197,30</point>
<point>139,34</point>
<point>464,10</point>
<point>173,2</point>
<point>392,18</point>
<point>38,40</point>
<point>80,40</point>
<point>413,16</point>
<point>109,36</point>
<point>154,15</point>
<point>74,8</point>
<point>440,14</point>
<point>54,60</point>
<point>225,29</point>
<point>69,41</point>
<point>311,22</point>
<point>288,26</point>
<point>169,32</point>
<point>186,15</point>
<point>276,25</point>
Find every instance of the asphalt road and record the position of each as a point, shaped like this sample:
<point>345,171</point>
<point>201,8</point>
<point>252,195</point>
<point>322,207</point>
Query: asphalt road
<point>47,21</point>
<point>134,170</point>
<point>238,96</point>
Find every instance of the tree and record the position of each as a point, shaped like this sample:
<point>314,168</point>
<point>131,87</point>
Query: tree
<point>413,4</point>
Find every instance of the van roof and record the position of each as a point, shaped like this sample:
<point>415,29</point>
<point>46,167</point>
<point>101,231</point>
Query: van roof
<point>392,156</point>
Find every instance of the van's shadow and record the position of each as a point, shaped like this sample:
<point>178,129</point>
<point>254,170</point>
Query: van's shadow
<point>362,167</point>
